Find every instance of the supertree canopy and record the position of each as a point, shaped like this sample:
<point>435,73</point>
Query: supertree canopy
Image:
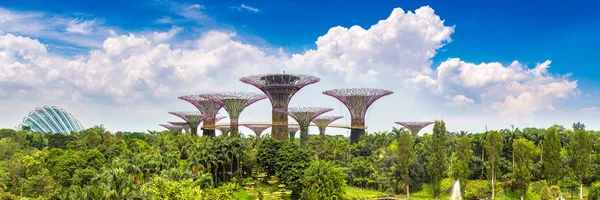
<point>224,129</point>
<point>184,125</point>
<point>280,88</point>
<point>415,127</point>
<point>172,128</point>
<point>304,115</point>
<point>194,118</point>
<point>292,129</point>
<point>323,121</point>
<point>257,129</point>
<point>358,101</point>
<point>208,108</point>
<point>234,103</point>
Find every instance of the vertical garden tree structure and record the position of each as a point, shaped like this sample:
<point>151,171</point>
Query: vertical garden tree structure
<point>193,118</point>
<point>323,121</point>
<point>304,115</point>
<point>358,101</point>
<point>414,127</point>
<point>224,129</point>
<point>292,129</point>
<point>184,125</point>
<point>280,88</point>
<point>173,128</point>
<point>234,103</point>
<point>208,108</point>
<point>258,129</point>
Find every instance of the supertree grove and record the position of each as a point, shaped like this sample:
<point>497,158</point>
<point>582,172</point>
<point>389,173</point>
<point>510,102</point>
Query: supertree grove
<point>358,101</point>
<point>304,115</point>
<point>234,103</point>
<point>323,121</point>
<point>173,128</point>
<point>280,88</point>
<point>257,129</point>
<point>415,126</point>
<point>292,129</point>
<point>224,129</point>
<point>194,118</point>
<point>184,125</point>
<point>208,108</point>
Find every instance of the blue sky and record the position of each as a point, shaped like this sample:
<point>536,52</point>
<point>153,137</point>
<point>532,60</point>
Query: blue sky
<point>482,32</point>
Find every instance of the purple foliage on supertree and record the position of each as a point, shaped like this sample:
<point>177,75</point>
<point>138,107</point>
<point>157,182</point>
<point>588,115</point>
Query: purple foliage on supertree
<point>217,119</point>
<point>325,120</point>
<point>304,115</point>
<point>358,100</point>
<point>224,129</point>
<point>257,128</point>
<point>206,106</point>
<point>234,102</point>
<point>293,128</point>
<point>192,117</point>
<point>415,126</point>
<point>184,125</point>
<point>280,87</point>
<point>172,128</point>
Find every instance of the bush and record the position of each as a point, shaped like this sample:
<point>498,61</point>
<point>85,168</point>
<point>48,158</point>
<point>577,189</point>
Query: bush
<point>323,180</point>
<point>550,193</point>
<point>476,189</point>
<point>594,192</point>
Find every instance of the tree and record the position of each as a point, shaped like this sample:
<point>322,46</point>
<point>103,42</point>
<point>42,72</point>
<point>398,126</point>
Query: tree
<point>323,180</point>
<point>292,160</point>
<point>552,163</point>
<point>524,151</point>
<point>580,149</point>
<point>460,166</point>
<point>405,159</point>
<point>437,159</point>
<point>493,147</point>
<point>578,126</point>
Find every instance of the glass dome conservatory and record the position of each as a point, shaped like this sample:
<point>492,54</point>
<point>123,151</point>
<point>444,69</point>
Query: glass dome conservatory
<point>51,120</point>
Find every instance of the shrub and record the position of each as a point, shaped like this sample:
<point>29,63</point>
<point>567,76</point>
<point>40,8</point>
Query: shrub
<point>477,190</point>
<point>323,180</point>
<point>594,192</point>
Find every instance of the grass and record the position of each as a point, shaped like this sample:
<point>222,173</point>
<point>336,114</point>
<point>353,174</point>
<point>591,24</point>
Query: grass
<point>359,193</point>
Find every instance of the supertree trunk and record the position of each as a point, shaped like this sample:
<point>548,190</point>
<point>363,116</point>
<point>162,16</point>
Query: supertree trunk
<point>234,127</point>
<point>280,128</point>
<point>304,134</point>
<point>210,132</point>
<point>322,131</point>
<point>194,130</point>
<point>357,130</point>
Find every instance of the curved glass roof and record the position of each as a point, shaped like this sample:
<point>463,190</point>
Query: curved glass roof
<point>51,119</point>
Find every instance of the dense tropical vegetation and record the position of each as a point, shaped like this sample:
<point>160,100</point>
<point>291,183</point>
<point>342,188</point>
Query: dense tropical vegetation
<point>529,163</point>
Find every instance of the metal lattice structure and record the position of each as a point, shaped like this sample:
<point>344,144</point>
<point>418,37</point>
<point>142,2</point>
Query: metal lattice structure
<point>358,101</point>
<point>280,88</point>
<point>193,118</point>
<point>184,125</point>
<point>234,103</point>
<point>217,119</point>
<point>304,115</point>
<point>224,130</point>
<point>172,128</point>
<point>258,129</point>
<point>323,121</point>
<point>208,108</point>
<point>415,126</point>
<point>292,129</point>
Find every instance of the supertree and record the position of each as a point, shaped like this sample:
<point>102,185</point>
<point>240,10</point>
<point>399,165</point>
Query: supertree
<point>323,121</point>
<point>234,103</point>
<point>193,118</point>
<point>304,115</point>
<point>415,127</point>
<point>280,88</point>
<point>257,129</point>
<point>208,108</point>
<point>292,129</point>
<point>358,101</point>
<point>224,129</point>
<point>172,128</point>
<point>184,125</point>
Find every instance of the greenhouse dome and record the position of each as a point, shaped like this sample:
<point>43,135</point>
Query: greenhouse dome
<point>51,120</point>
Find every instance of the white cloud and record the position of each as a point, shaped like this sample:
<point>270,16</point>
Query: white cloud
<point>244,7</point>
<point>164,20</point>
<point>196,6</point>
<point>80,26</point>
<point>145,72</point>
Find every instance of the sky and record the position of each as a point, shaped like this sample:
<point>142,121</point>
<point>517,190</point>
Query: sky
<point>473,64</point>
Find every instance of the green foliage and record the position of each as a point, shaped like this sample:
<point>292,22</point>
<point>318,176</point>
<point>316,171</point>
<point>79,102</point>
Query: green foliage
<point>476,189</point>
<point>361,170</point>
<point>405,157</point>
<point>460,165</point>
<point>594,192</point>
<point>266,155</point>
<point>59,140</point>
<point>437,159</point>
<point>493,149</point>
<point>551,193</point>
<point>292,160</point>
<point>8,147</point>
<point>580,149</point>
<point>136,145</point>
<point>524,151</point>
<point>552,163</point>
<point>323,180</point>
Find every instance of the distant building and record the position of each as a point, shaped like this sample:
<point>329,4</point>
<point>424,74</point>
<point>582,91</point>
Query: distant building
<point>51,120</point>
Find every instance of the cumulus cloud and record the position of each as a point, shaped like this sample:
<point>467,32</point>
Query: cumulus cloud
<point>80,26</point>
<point>163,36</point>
